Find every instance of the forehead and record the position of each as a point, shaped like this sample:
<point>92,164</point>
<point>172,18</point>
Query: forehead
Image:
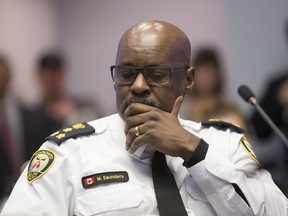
<point>143,51</point>
<point>154,43</point>
<point>149,44</point>
<point>146,35</point>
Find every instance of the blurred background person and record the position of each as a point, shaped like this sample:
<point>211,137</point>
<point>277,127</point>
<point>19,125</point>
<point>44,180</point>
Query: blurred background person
<point>223,110</point>
<point>57,108</point>
<point>274,101</point>
<point>207,99</point>
<point>208,81</point>
<point>11,154</point>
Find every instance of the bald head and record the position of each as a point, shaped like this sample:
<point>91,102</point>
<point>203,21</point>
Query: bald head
<point>153,44</point>
<point>155,37</point>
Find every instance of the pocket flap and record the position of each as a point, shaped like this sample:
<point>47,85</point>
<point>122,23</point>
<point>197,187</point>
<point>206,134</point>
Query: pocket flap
<point>109,198</point>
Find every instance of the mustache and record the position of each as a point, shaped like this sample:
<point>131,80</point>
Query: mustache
<point>142,100</point>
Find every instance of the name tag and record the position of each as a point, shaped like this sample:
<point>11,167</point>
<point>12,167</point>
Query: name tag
<point>104,178</point>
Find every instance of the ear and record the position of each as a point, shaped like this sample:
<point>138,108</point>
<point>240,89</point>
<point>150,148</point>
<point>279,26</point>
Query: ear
<point>189,80</point>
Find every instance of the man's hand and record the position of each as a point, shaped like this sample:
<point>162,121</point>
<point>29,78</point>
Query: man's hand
<point>159,129</point>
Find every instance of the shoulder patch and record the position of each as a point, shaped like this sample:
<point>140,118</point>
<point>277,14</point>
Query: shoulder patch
<point>39,164</point>
<point>73,131</point>
<point>222,125</point>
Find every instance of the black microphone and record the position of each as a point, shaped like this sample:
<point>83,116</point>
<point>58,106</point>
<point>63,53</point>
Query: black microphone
<point>246,93</point>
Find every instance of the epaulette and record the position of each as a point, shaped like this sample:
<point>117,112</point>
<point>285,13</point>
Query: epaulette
<point>222,125</point>
<point>73,131</point>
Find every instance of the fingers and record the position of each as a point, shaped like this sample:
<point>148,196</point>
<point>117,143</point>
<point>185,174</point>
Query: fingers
<point>135,115</point>
<point>176,106</point>
<point>133,139</point>
<point>144,121</point>
<point>132,122</point>
<point>132,147</point>
<point>135,145</point>
<point>135,109</point>
<point>137,132</point>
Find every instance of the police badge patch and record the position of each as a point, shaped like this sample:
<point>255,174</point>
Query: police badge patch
<point>40,162</point>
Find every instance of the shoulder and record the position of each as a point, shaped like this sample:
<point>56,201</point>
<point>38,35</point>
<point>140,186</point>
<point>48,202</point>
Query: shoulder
<point>222,125</point>
<point>72,131</point>
<point>82,129</point>
<point>189,125</point>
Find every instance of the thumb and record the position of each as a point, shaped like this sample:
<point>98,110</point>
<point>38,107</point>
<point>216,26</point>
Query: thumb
<point>177,105</point>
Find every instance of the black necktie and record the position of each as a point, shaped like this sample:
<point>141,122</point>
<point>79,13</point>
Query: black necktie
<point>167,194</point>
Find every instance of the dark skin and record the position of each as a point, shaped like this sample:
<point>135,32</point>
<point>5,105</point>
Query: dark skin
<point>154,109</point>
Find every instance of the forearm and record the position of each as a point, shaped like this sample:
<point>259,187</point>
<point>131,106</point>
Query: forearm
<point>231,191</point>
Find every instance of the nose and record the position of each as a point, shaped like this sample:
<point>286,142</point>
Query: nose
<point>140,85</point>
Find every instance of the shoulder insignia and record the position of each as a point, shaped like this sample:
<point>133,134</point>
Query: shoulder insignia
<point>248,148</point>
<point>73,131</point>
<point>39,164</point>
<point>222,125</point>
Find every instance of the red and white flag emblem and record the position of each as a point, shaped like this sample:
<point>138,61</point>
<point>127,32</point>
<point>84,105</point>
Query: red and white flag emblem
<point>89,181</point>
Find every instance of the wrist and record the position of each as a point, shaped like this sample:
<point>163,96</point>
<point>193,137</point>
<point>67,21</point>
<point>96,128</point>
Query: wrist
<point>189,148</point>
<point>198,155</point>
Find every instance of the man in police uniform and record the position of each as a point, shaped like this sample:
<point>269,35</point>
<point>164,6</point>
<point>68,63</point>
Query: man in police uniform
<point>103,167</point>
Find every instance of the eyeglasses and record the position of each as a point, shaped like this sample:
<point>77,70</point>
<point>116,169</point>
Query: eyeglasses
<point>126,75</point>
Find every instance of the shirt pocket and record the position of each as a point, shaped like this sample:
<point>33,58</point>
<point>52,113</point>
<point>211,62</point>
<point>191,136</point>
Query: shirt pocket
<point>114,199</point>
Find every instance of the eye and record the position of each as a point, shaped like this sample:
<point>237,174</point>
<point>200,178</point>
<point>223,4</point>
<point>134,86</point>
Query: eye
<point>158,74</point>
<point>125,73</point>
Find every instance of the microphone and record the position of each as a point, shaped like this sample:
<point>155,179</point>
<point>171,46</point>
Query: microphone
<point>246,93</point>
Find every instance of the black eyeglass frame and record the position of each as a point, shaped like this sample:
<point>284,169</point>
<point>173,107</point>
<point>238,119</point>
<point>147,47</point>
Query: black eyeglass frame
<point>142,70</point>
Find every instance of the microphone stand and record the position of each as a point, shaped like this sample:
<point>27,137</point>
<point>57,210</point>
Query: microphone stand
<point>253,101</point>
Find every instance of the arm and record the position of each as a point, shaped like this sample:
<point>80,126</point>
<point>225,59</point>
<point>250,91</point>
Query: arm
<point>45,195</point>
<point>228,176</point>
<point>234,183</point>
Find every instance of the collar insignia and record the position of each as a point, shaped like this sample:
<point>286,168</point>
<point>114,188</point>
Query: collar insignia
<point>104,178</point>
<point>40,162</point>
